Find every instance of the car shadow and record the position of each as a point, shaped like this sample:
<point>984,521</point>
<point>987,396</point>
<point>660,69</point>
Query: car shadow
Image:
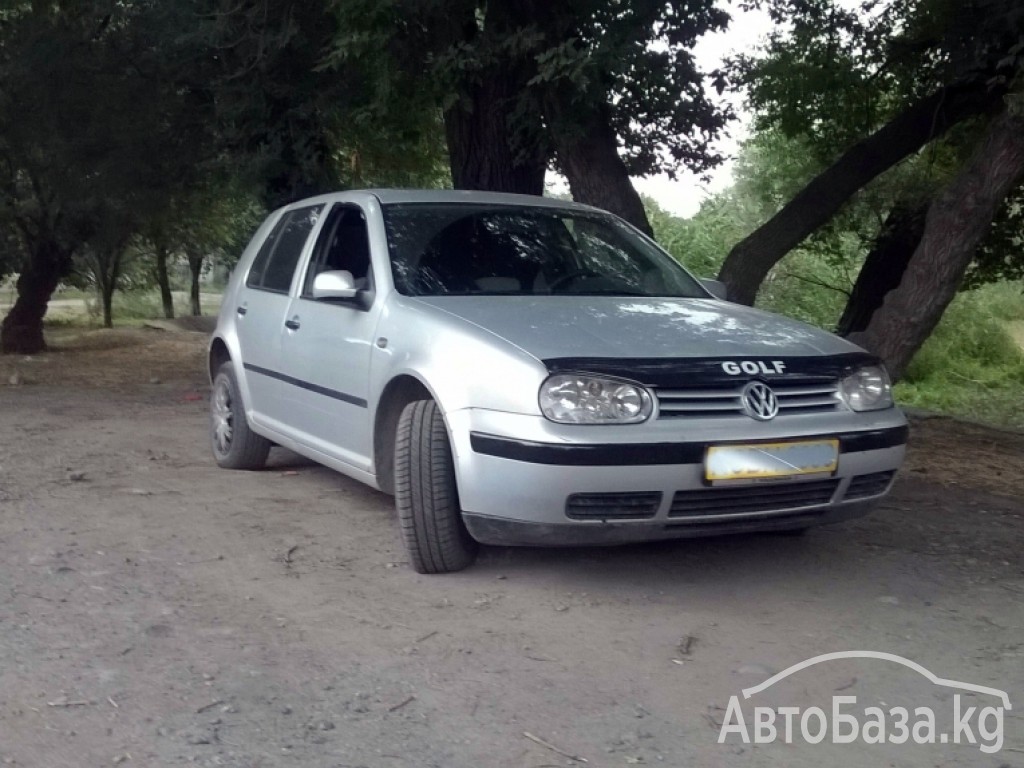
<point>724,560</point>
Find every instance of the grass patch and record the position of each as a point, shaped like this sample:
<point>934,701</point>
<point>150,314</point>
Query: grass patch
<point>973,364</point>
<point>130,306</point>
<point>130,309</point>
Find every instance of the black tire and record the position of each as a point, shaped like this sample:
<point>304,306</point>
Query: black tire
<point>793,533</point>
<point>426,494</point>
<point>234,444</point>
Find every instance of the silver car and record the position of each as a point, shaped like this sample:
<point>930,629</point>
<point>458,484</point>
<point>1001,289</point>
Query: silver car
<point>525,371</point>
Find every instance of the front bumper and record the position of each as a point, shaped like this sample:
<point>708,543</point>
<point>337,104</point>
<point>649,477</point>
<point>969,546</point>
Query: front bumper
<point>527,489</point>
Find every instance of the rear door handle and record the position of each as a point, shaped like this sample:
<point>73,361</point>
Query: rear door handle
<point>241,310</point>
<point>292,325</point>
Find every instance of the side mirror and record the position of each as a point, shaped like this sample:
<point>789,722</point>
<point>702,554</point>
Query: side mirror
<point>715,287</point>
<point>335,284</point>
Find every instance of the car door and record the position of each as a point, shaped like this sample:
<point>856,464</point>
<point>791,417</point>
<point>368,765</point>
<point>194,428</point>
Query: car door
<point>262,307</point>
<point>327,345</point>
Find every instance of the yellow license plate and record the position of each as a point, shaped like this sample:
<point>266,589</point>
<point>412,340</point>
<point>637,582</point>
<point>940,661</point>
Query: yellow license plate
<point>758,461</point>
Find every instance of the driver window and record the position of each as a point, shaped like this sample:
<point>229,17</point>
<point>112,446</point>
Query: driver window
<point>344,244</point>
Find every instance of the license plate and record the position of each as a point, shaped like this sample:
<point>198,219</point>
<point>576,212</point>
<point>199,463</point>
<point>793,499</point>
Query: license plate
<point>762,461</point>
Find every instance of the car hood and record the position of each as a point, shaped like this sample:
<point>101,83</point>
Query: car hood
<point>602,326</point>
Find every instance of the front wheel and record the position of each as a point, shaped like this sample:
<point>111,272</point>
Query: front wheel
<point>426,494</point>
<point>235,445</point>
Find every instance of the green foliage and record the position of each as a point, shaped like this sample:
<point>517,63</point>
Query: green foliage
<point>292,126</point>
<point>636,57</point>
<point>95,132</point>
<point>701,242</point>
<point>632,57</point>
<point>1001,255</point>
<point>807,288</point>
<point>813,283</point>
<point>215,219</point>
<point>972,365</point>
<point>832,73</point>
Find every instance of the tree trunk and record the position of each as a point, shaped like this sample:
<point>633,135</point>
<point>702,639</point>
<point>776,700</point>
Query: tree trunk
<point>957,221</point>
<point>107,298</point>
<point>22,329</point>
<point>588,155</point>
<point>483,143</point>
<point>107,271</point>
<point>164,281</point>
<point>750,260</point>
<point>885,264</point>
<point>195,303</point>
<point>195,267</point>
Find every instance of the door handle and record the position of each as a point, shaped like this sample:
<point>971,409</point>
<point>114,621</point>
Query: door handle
<point>241,310</point>
<point>292,325</point>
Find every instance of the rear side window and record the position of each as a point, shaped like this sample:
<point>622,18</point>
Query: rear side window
<point>274,265</point>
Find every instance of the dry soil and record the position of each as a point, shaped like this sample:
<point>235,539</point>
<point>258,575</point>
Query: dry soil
<point>158,611</point>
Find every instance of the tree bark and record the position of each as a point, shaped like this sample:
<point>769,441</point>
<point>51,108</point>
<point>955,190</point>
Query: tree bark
<point>107,270</point>
<point>957,222</point>
<point>588,155</point>
<point>163,280</point>
<point>108,307</point>
<point>195,267</point>
<point>22,330</point>
<point>884,266</point>
<point>482,141</point>
<point>750,260</point>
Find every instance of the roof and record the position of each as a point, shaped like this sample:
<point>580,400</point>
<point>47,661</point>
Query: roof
<point>390,196</point>
<point>465,196</point>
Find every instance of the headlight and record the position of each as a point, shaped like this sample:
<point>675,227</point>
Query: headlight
<point>581,399</point>
<point>867,389</point>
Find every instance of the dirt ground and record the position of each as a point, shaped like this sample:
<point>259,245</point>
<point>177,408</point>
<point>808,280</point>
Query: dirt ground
<point>158,611</point>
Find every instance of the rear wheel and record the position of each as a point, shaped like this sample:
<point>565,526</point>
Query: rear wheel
<point>426,494</point>
<point>235,446</point>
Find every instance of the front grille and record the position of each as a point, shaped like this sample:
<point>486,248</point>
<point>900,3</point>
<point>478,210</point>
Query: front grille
<point>805,397</point>
<point>747,499</point>
<point>612,506</point>
<point>874,484</point>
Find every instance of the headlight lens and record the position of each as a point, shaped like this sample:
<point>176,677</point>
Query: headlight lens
<point>867,389</point>
<point>580,399</point>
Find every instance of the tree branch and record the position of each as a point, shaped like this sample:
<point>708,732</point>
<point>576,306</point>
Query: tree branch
<point>750,260</point>
<point>819,283</point>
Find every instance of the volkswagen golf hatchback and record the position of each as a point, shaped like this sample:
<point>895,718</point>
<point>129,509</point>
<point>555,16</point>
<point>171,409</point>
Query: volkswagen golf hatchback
<point>525,371</point>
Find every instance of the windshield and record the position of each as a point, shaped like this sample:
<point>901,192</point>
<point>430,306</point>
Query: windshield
<point>458,249</point>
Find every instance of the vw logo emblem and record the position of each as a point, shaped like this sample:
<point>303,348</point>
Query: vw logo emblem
<point>759,402</point>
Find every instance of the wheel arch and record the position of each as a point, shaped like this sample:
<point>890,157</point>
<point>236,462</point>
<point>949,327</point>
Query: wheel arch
<point>398,393</point>
<point>219,354</point>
